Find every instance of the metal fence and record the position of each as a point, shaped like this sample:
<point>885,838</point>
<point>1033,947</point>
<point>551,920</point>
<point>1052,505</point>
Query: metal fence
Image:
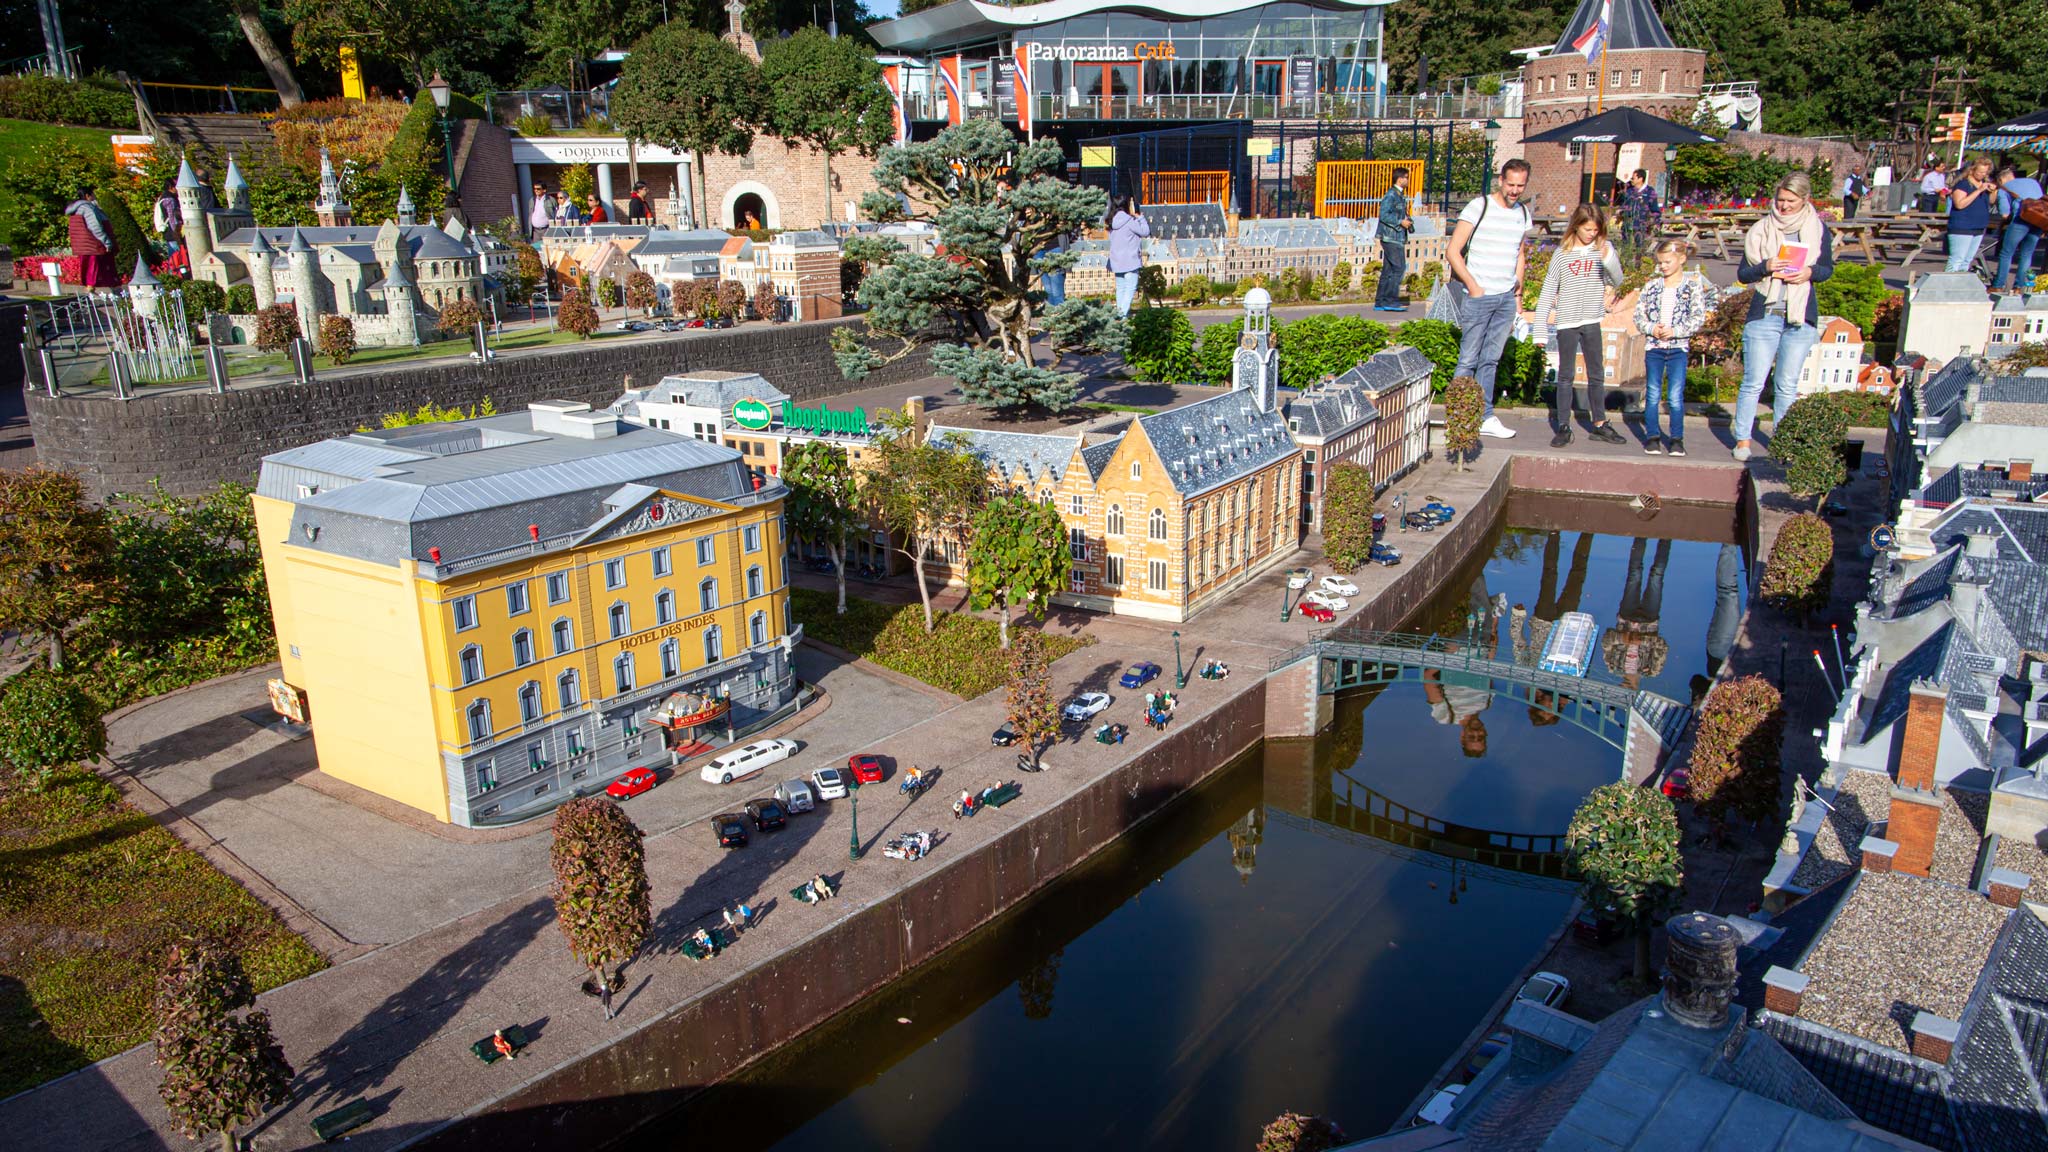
<point>84,332</point>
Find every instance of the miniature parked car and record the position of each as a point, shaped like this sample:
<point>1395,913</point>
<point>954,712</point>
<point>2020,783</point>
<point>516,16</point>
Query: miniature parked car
<point>1546,988</point>
<point>1298,578</point>
<point>1677,784</point>
<point>1597,925</point>
<point>631,784</point>
<point>1085,706</point>
<point>1384,555</point>
<point>767,815</point>
<point>1339,586</point>
<point>1491,1049</point>
<point>866,768</point>
<point>795,796</point>
<point>751,760</point>
<point>1439,1107</point>
<point>1003,737</point>
<point>1138,674</point>
<point>634,325</point>
<point>831,783</point>
<point>730,829</point>
<point>1316,612</point>
<point>1330,600</point>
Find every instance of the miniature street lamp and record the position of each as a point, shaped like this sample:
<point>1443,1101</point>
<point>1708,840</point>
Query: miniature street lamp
<point>1180,676</point>
<point>853,843</point>
<point>440,90</point>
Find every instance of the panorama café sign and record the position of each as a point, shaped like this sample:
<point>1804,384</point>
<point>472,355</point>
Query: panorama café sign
<point>1162,50</point>
<point>755,416</point>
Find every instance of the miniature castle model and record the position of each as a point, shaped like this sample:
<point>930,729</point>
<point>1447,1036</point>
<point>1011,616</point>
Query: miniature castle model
<point>391,280</point>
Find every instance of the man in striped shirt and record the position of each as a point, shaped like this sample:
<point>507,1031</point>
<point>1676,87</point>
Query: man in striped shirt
<point>1486,261</point>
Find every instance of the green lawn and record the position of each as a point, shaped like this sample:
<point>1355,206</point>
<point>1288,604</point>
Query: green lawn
<point>18,136</point>
<point>277,362</point>
<point>93,893</point>
<point>963,655</point>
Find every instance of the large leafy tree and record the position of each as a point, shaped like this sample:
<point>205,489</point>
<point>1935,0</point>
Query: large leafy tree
<point>407,32</point>
<point>686,89</point>
<point>221,1070</point>
<point>602,899</point>
<point>1034,712</point>
<point>827,93</point>
<point>1623,841</point>
<point>1347,516</point>
<point>188,567</point>
<point>55,553</point>
<point>1019,557</point>
<point>995,203</point>
<point>824,501</point>
<point>924,493</point>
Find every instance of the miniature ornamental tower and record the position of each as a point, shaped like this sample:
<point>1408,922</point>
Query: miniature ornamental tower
<point>332,210</point>
<point>400,305</point>
<point>405,209</point>
<point>262,280</point>
<point>236,186</point>
<point>305,270</point>
<point>194,199</point>
<point>1257,364</point>
<point>143,289</point>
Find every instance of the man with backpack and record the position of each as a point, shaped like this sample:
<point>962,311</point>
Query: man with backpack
<point>1487,260</point>
<point>168,220</point>
<point>1395,222</point>
<point>1854,189</point>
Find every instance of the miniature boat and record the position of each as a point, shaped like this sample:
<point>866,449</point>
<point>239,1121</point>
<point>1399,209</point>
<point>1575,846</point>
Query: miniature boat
<point>1570,647</point>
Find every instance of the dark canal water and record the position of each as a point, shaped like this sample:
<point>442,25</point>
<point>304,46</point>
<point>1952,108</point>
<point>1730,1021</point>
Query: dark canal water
<point>1257,948</point>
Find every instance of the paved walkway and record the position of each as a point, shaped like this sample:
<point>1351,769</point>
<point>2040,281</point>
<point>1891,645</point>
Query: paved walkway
<point>392,1025</point>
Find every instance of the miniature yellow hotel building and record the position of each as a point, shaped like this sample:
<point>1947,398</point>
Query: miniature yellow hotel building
<point>483,618</point>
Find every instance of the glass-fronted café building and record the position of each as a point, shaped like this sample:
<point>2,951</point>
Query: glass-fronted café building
<point>1077,68</point>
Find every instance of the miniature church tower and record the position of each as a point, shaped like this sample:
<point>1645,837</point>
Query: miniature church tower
<point>236,186</point>
<point>261,279</point>
<point>405,209</point>
<point>1257,364</point>
<point>305,271</point>
<point>736,32</point>
<point>194,201</point>
<point>332,210</point>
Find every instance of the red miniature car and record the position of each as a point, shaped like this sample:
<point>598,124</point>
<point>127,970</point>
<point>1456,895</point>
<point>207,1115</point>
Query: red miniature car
<point>1316,612</point>
<point>866,769</point>
<point>631,784</point>
<point>1677,784</point>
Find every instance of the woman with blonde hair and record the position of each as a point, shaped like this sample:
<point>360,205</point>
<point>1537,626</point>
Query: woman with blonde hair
<point>1785,254</point>
<point>1969,213</point>
<point>1673,306</point>
<point>1577,292</point>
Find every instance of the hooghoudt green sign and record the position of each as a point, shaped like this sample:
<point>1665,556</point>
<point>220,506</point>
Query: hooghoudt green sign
<point>752,415</point>
<point>824,420</point>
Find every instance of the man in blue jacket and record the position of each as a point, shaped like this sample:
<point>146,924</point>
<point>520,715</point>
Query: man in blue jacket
<point>1395,224</point>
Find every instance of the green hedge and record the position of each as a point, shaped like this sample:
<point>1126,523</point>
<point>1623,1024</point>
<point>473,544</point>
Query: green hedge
<point>1162,345</point>
<point>96,102</point>
<point>963,655</point>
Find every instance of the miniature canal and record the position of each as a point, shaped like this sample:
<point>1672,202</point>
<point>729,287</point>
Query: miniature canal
<point>1256,948</point>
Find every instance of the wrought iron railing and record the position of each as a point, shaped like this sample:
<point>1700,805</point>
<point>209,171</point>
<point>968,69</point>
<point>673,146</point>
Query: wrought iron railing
<point>207,99</point>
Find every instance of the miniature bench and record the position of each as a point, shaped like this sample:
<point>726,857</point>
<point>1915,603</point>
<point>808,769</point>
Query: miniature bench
<point>998,796</point>
<point>346,1118</point>
<point>489,1054</point>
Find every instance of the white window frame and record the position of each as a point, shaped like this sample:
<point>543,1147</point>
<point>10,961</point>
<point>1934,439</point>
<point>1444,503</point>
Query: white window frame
<point>615,573</point>
<point>530,708</point>
<point>707,594</point>
<point>707,550</point>
<point>757,628</point>
<point>464,608</point>
<point>1155,575</point>
<point>522,648</point>
<point>664,607</point>
<point>558,587</point>
<point>517,602</point>
<point>756,583</point>
<point>623,677</point>
<point>562,630</point>
<point>750,538</point>
<point>1113,521</point>
<point>471,663</point>
<point>714,644</point>
<point>660,557</point>
<point>479,717</point>
<point>671,658</point>
<point>1155,525</point>
<point>568,693</point>
<point>1113,571</point>
<point>620,617</point>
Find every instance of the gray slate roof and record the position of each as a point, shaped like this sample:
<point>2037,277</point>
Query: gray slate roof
<point>672,242</point>
<point>1331,411</point>
<point>1285,234</point>
<point>1395,366</point>
<point>1018,457</point>
<point>709,389</point>
<point>426,241</point>
<point>2022,529</point>
<point>1959,484</point>
<point>1215,441</point>
<point>2014,389</point>
<point>1184,221</point>
<point>1950,288</point>
<point>1633,24</point>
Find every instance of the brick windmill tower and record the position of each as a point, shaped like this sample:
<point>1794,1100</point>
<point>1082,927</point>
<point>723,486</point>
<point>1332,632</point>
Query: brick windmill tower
<point>1638,66</point>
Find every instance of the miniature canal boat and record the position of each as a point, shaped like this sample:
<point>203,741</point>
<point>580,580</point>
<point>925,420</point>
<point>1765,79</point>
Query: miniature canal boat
<point>1570,647</point>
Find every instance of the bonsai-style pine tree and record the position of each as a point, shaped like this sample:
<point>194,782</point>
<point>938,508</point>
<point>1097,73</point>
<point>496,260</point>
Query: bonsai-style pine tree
<point>1034,713</point>
<point>55,553</point>
<point>996,203</point>
<point>1796,577</point>
<point>1735,754</point>
<point>221,1070</point>
<point>602,901</point>
<point>824,501</point>
<point>924,494</point>
<point>1463,405</point>
<point>576,315</point>
<point>1347,516</point>
<point>1808,442</point>
<point>1019,556</point>
<point>1623,841</point>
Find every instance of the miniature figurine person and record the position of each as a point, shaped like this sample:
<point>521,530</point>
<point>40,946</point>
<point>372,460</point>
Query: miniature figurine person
<point>503,1045</point>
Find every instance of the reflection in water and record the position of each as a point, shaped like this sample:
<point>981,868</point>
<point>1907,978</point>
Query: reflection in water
<point>1316,929</point>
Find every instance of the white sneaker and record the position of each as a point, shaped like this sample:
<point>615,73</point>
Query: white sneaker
<point>1493,427</point>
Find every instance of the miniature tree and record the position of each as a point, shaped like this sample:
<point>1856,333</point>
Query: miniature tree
<point>824,502</point>
<point>1623,842</point>
<point>1019,557</point>
<point>337,338</point>
<point>1162,345</point>
<point>1347,516</point>
<point>608,294</point>
<point>1808,442</point>
<point>220,1070</point>
<point>764,300</point>
<point>641,292</point>
<point>732,298</point>
<point>528,272</point>
<point>924,493</point>
<point>688,90</point>
<point>1462,407</point>
<point>1034,713</point>
<point>997,204</point>
<point>576,315</point>
<point>46,722</point>
<point>602,899</point>
<point>1735,752</point>
<point>276,327</point>
<point>1196,290</point>
<point>1298,1132</point>
<point>458,319</point>
<point>828,93</point>
<point>55,550</point>
<point>1797,575</point>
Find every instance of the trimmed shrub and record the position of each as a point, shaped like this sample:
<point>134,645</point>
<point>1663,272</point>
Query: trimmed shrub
<point>1735,753</point>
<point>46,722</point>
<point>1854,293</point>
<point>201,297</point>
<point>95,102</point>
<point>276,327</point>
<point>1162,345</point>
<point>1216,349</point>
<point>241,300</point>
<point>458,319</point>
<point>1196,290</point>
<point>1296,1132</point>
<point>1326,345</point>
<point>1798,576</point>
<point>337,338</point>
<point>1463,406</point>
<point>1808,442</point>
<point>1347,516</point>
<point>1862,409</point>
<point>1436,339</point>
<point>641,291</point>
<point>129,239</point>
<point>576,315</point>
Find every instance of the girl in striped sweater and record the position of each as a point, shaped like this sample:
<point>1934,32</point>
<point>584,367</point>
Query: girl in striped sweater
<point>1577,292</point>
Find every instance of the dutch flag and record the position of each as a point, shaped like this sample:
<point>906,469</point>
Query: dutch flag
<point>1593,39</point>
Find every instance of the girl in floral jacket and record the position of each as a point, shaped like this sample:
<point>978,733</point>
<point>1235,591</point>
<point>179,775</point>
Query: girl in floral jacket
<point>1674,305</point>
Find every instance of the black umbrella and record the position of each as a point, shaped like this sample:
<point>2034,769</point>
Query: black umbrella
<point>2032,124</point>
<point>1621,126</point>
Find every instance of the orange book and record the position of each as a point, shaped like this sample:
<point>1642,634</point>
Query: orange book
<point>1793,254</point>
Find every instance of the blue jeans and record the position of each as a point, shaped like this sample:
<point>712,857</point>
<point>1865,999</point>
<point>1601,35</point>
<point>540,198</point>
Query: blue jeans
<point>1055,282</point>
<point>1767,343</point>
<point>1962,250</point>
<point>1664,380</point>
<point>2017,249</point>
<point>1485,324</point>
<point>1126,287</point>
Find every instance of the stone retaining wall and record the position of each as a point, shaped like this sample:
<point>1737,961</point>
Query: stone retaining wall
<point>192,439</point>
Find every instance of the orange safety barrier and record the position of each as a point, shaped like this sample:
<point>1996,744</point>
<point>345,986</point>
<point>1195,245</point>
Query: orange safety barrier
<point>1186,188</point>
<point>1353,188</point>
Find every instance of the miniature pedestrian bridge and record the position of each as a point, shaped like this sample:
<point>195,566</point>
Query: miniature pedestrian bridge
<point>1356,813</point>
<point>1629,719</point>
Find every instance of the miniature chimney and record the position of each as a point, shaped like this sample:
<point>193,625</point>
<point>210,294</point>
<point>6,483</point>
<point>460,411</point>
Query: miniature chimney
<point>1934,1037</point>
<point>2007,887</point>
<point>1783,989</point>
<point>1877,854</point>
<point>1699,975</point>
